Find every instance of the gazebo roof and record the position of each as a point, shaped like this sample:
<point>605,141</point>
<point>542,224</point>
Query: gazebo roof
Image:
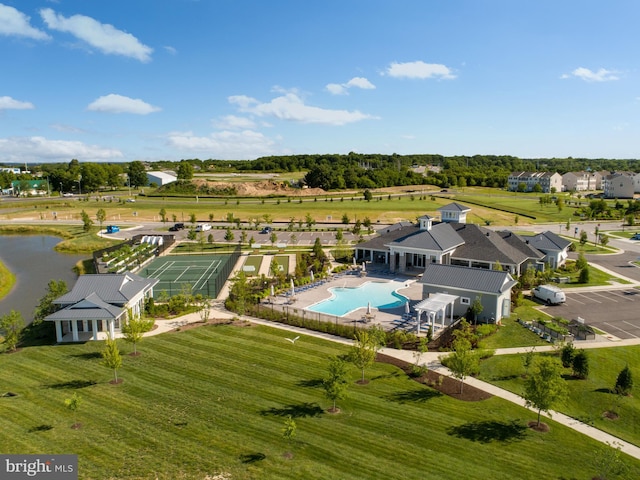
<point>436,302</point>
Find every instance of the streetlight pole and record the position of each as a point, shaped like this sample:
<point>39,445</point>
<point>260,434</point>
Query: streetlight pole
<point>79,185</point>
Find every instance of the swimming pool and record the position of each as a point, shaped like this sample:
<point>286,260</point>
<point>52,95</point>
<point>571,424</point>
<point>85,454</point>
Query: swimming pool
<point>347,299</point>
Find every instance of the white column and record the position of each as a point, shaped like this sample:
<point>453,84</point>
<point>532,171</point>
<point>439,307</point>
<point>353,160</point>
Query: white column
<point>418,318</point>
<point>58,331</point>
<point>74,330</point>
<point>84,325</point>
<point>94,325</point>
<point>112,332</point>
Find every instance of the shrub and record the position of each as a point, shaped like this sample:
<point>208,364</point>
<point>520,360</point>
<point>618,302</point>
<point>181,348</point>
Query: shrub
<point>486,329</point>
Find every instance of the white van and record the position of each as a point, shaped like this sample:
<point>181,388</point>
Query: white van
<point>550,294</point>
<point>203,227</point>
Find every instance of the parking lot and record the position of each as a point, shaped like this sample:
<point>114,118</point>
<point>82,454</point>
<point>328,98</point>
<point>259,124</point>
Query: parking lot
<point>613,311</point>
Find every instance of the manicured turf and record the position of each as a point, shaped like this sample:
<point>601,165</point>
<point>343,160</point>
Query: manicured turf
<point>588,399</point>
<point>7,280</point>
<point>214,399</point>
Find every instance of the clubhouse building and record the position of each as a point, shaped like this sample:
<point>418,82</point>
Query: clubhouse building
<point>99,303</point>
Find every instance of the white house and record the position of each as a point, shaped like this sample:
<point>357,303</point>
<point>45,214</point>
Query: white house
<point>99,303</point>
<point>575,181</point>
<point>548,181</point>
<point>618,185</point>
<point>555,248</point>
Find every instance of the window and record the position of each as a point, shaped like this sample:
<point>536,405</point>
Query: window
<point>465,301</point>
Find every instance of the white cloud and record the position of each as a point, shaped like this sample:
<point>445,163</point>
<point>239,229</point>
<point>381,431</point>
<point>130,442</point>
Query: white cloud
<point>102,36</point>
<point>61,127</point>
<point>114,103</point>
<point>41,149</point>
<point>15,23</point>
<point>235,122</point>
<point>336,89</point>
<point>602,75</point>
<point>419,70</point>
<point>8,103</point>
<point>291,107</point>
<point>171,50</point>
<point>342,88</point>
<point>246,144</point>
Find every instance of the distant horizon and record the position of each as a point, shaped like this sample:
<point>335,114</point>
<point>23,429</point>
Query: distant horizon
<point>112,82</point>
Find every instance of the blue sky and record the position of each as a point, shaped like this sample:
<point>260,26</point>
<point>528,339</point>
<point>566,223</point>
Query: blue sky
<point>124,80</point>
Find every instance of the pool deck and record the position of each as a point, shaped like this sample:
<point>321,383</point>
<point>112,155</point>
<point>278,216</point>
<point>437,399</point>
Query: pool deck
<point>387,318</point>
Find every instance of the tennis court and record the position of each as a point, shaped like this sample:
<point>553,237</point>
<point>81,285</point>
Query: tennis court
<point>205,274</point>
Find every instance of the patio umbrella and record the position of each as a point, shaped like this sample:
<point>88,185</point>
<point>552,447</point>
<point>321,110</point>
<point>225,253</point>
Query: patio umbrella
<point>273,292</point>
<point>354,260</point>
<point>368,308</point>
<point>312,276</point>
<point>407,309</point>
<point>293,289</point>
<point>364,267</point>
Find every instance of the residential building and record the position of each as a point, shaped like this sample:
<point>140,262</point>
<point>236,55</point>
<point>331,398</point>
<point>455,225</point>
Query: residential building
<point>549,182</point>
<point>575,181</point>
<point>618,185</point>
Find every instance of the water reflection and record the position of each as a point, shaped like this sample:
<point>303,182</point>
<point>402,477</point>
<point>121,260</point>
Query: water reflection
<point>33,261</point>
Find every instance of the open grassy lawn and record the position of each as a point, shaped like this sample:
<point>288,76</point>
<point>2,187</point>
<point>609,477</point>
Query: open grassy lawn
<point>512,334</point>
<point>214,399</point>
<point>588,399</point>
<point>7,280</point>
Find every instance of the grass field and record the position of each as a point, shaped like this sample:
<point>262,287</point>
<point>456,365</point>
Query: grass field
<point>214,399</point>
<point>7,280</point>
<point>588,399</point>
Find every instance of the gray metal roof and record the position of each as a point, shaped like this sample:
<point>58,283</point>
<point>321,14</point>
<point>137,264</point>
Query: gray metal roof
<point>89,308</point>
<point>454,207</point>
<point>387,236</point>
<point>110,288</point>
<point>546,241</point>
<point>485,245</point>
<point>520,243</point>
<point>465,278</point>
<point>440,237</point>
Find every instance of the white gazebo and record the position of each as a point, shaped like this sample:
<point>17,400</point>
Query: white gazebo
<point>432,306</point>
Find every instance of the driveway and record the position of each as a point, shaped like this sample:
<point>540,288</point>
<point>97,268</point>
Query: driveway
<point>613,311</point>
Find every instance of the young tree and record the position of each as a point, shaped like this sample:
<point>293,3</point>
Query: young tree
<point>581,262</point>
<point>163,214</point>
<point>134,328</point>
<point>101,216</point>
<point>192,218</point>
<point>228,236</point>
<point>111,357</point>
<point>73,405</point>
<point>608,462</point>
<point>527,360</point>
<point>463,361</point>
<point>584,275</point>
<point>205,309</point>
<point>368,196</point>
<point>604,239</point>
<point>624,382</point>
<point>335,384</point>
<point>583,238</point>
<point>362,354</point>
<point>566,355</point>
<point>273,238</point>
<point>55,289</point>
<point>581,364</point>
<point>86,221</point>
<point>289,430</point>
<point>545,386</point>
<point>11,327</point>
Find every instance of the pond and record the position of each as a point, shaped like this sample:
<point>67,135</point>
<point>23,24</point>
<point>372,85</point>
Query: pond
<point>34,262</point>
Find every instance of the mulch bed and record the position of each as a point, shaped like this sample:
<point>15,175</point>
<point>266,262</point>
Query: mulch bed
<point>442,383</point>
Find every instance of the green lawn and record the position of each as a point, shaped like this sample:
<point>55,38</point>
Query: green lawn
<point>214,399</point>
<point>588,399</point>
<point>7,280</point>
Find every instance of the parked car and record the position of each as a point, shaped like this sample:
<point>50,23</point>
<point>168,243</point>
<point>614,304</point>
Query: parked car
<point>176,227</point>
<point>203,227</point>
<point>636,236</point>
<point>550,294</point>
<point>112,229</point>
<point>266,230</point>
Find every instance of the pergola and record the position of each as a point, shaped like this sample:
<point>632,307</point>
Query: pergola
<point>436,303</point>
